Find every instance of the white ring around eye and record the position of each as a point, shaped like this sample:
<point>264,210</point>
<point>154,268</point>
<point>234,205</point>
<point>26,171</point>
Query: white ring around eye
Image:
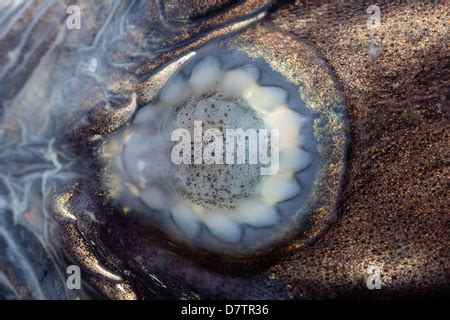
<point>147,146</point>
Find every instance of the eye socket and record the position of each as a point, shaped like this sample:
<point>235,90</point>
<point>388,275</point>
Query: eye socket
<point>205,200</point>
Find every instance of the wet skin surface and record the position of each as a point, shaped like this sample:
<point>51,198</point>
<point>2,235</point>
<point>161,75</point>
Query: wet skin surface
<point>392,209</point>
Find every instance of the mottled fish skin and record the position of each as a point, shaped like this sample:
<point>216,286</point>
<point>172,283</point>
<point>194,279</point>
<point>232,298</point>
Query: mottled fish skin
<point>61,89</point>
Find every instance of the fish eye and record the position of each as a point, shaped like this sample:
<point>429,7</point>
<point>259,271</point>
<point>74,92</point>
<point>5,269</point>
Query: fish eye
<point>242,149</point>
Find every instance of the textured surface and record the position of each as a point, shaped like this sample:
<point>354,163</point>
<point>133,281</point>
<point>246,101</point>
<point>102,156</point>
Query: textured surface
<point>393,210</point>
